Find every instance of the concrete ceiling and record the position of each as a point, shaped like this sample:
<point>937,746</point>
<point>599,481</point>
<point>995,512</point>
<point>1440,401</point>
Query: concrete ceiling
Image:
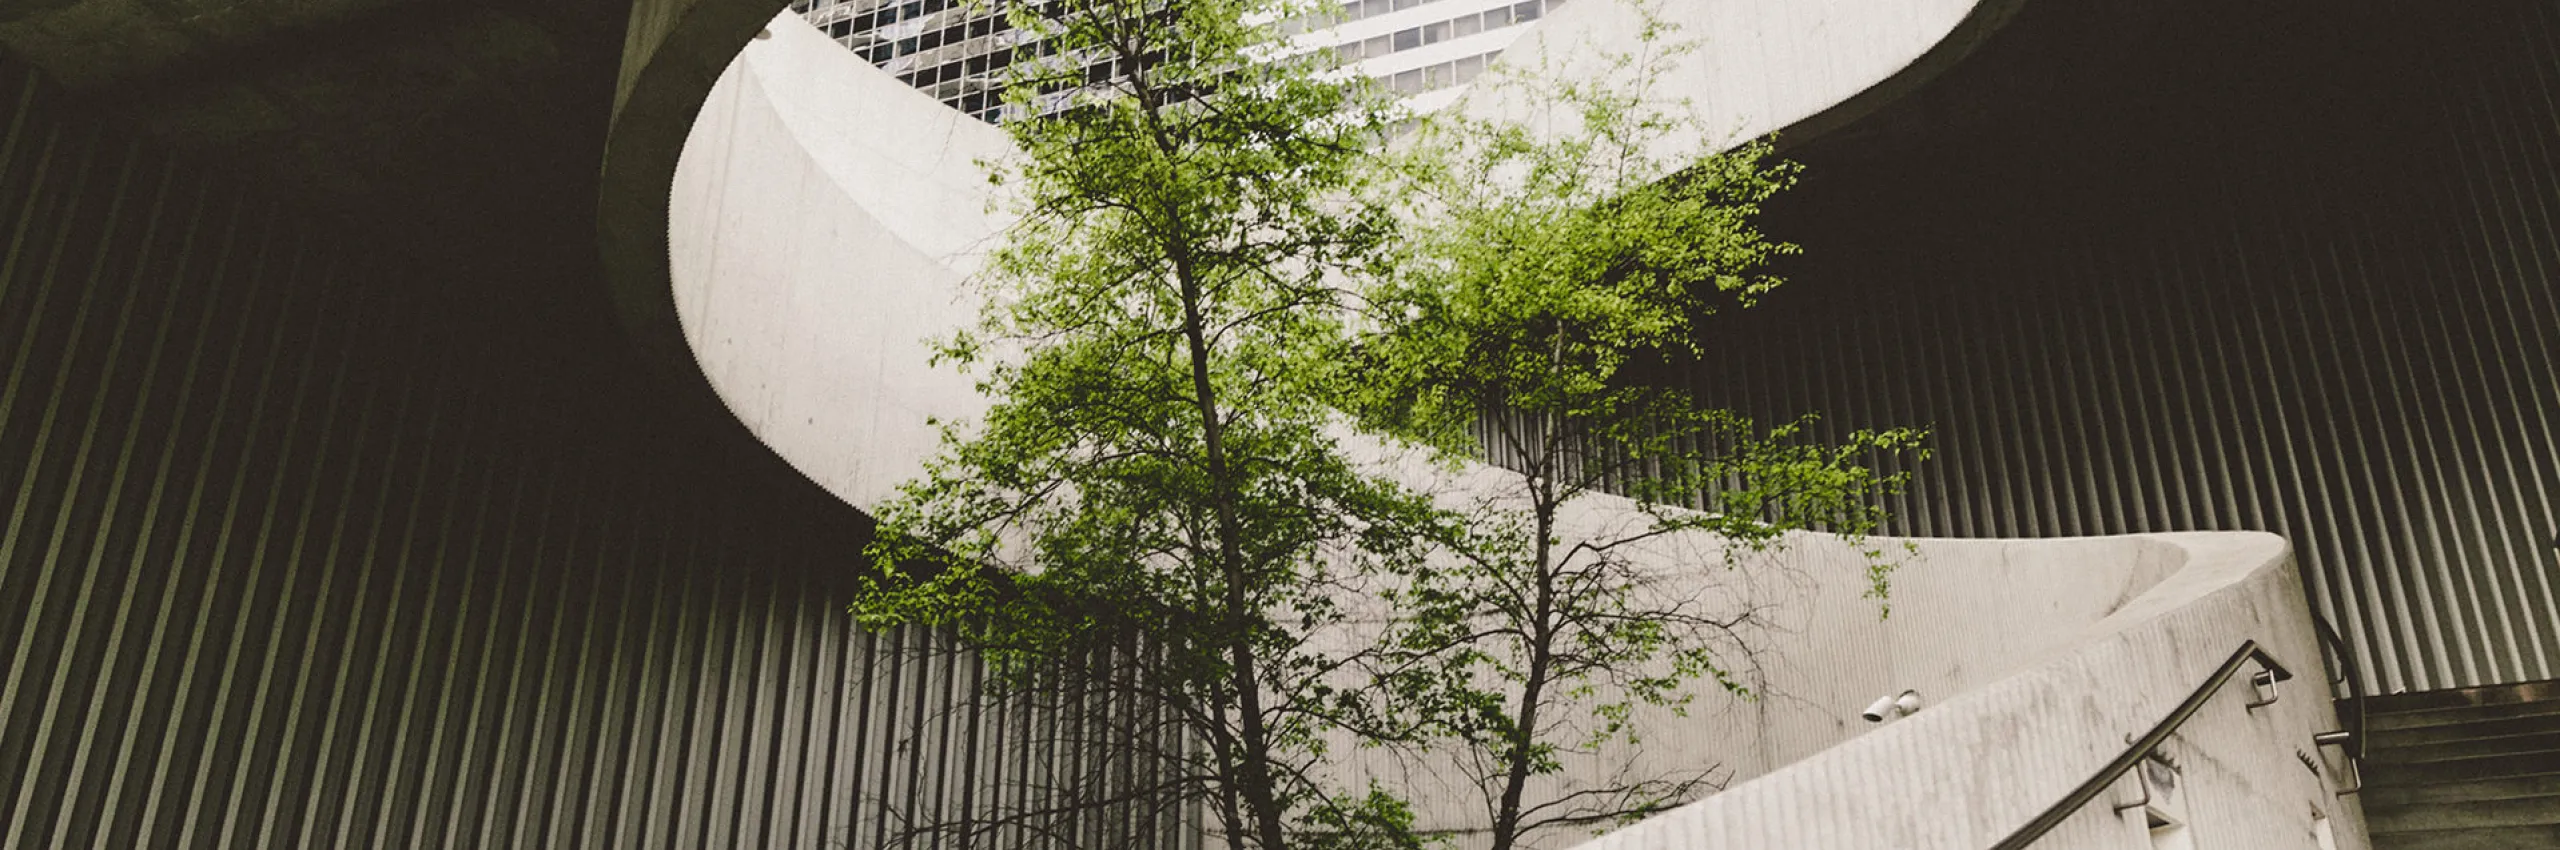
<point>427,123</point>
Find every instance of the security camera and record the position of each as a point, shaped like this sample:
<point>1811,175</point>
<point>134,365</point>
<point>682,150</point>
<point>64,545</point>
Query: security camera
<point>1892,705</point>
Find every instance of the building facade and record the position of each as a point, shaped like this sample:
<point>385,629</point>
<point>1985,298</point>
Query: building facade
<point>957,50</point>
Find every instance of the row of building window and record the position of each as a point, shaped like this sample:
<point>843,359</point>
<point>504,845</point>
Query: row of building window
<point>884,14</point>
<point>988,33</point>
<point>958,62</point>
<point>966,72</point>
<point>1352,10</point>
<point>1439,31</point>
<point>1430,77</point>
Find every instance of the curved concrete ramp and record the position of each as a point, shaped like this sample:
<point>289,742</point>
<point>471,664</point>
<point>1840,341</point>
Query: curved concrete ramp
<point>823,219</point>
<point>802,150</point>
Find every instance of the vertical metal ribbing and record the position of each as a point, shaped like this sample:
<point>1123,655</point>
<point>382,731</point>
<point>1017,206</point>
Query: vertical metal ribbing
<point>16,539</point>
<point>683,682</point>
<point>851,777</point>
<point>417,796</point>
<point>193,768</point>
<point>375,455</point>
<point>2337,324</point>
<point>759,774</point>
<point>2531,503</point>
<point>62,549</point>
<point>595,732</point>
<point>826,626</point>
<point>144,562</point>
<point>2529,175</point>
<point>434,506</point>
<point>615,812</point>
<point>288,564</point>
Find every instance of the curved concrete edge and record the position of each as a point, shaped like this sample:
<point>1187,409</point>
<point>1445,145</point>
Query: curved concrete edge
<point>1967,772</point>
<point>1969,34</point>
<point>676,50</point>
<point>820,112</point>
<point>814,258</point>
<point>1800,68</point>
<point>673,52</point>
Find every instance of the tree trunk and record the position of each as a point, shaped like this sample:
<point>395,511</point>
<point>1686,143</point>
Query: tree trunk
<point>1254,763</point>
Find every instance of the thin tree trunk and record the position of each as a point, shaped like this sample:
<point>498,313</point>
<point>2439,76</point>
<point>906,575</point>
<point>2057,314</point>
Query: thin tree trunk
<point>1516,752</point>
<point>1255,764</point>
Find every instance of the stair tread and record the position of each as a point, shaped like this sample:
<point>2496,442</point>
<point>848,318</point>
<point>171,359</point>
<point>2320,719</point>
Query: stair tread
<point>2440,733</point>
<point>2493,745</point>
<point>2393,720</point>
<point>2539,810</point>
<point>2552,797</point>
<point>2546,690</point>
<point>2490,838</point>
<point>2462,769</point>
<point>2380,794</point>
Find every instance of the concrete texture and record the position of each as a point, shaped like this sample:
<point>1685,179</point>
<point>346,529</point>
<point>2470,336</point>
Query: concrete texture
<point>814,256</point>
<point>1968,771</point>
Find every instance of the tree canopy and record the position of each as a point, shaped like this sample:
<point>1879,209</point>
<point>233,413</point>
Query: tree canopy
<point>1219,274</point>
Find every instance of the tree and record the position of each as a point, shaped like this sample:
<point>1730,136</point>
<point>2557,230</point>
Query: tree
<point>1551,258</point>
<point>1156,481</point>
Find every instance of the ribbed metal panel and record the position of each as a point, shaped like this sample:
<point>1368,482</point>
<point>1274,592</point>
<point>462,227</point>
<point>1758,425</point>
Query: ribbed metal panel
<point>2292,269</point>
<point>294,556</point>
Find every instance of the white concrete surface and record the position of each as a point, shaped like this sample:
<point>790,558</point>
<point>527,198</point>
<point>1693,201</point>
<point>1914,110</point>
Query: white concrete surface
<point>2037,679</point>
<point>824,218</point>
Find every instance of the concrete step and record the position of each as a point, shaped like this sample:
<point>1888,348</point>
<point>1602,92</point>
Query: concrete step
<point>2462,791</point>
<point>2456,715</point>
<point>2493,838</point>
<point>2543,691</point>
<point>2400,774</point>
<point>2541,810</point>
<point>2412,736</point>
<point>2465,748</point>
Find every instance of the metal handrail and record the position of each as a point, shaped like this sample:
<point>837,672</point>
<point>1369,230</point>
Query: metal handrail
<point>2353,742</point>
<point>2142,747</point>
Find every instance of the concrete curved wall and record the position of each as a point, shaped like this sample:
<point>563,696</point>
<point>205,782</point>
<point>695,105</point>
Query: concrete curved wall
<point>815,251</point>
<point>2042,689</point>
<point>823,219</point>
<point>822,215</point>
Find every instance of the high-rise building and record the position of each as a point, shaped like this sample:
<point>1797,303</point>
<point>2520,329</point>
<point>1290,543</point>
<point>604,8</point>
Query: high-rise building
<point>956,50</point>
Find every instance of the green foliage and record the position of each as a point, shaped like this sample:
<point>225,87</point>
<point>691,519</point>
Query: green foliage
<point>1547,260</point>
<point>1157,469</point>
<point>1379,820</point>
<point>1171,350</point>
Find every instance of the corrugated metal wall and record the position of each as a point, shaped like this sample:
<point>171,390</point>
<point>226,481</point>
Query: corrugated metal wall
<point>2293,268</point>
<point>296,555</point>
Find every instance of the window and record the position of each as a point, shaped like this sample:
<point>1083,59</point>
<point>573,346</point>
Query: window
<point>1466,26</point>
<point>1435,33</point>
<point>1468,68</point>
<point>1408,39</point>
